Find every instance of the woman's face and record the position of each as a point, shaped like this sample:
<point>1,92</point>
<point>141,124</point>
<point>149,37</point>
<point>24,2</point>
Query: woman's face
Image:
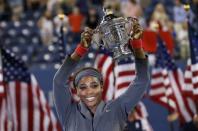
<point>89,89</point>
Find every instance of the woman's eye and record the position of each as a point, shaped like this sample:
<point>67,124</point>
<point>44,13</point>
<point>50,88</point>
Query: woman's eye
<point>82,87</point>
<point>95,86</point>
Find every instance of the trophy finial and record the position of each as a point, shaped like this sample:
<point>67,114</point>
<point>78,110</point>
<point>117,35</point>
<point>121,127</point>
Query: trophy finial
<point>61,16</point>
<point>109,13</point>
<point>186,7</point>
<point>107,10</point>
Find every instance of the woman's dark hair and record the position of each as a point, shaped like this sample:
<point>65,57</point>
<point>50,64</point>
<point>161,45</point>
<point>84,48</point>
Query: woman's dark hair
<point>133,1</point>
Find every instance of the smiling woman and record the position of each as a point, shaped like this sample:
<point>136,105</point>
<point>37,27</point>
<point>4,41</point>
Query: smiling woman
<point>89,90</point>
<point>91,113</point>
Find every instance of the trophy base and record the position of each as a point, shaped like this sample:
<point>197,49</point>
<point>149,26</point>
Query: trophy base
<point>121,52</point>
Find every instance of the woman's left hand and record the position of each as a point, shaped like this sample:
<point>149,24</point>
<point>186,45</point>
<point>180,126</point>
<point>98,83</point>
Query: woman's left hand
<point>137,30</point>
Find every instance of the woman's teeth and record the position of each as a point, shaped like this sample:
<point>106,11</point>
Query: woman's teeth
<point>90,98</point>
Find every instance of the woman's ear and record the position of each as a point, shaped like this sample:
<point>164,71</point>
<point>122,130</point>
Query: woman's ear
<point>101,84</point>
<point>77,91</point>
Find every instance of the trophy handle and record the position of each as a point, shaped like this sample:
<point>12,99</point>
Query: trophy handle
<point>130,22</point>
<point>128,26</point>
<point>96,38</point>
<point>96,30</point>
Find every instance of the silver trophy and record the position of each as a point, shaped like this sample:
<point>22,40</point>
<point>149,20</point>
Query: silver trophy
<point>115,33</point>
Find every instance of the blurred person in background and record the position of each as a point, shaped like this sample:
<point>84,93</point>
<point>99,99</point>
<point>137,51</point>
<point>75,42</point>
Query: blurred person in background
<point>4,11</point>
<point>76,22</point>
<point>179,12</point>
<point>98,4</point>
<point>160,17</point>
<point>130,8</point>
<point>46,28</point>
<point>144,4</point>
<point>16,7</point>
<point>53,5</point>
<point>68,5</point>
<point>17,12</point>
<point>58,23</point>
<point>34,9</point>
<point>181,29</point>
<point>92,18</point>
<point>91,113</point>
<point>83,6</point>
<point>183,41</point>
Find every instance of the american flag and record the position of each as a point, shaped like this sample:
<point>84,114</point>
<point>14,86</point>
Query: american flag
<point>124,75</point>
<point>166,87</point>
<point>160,84</point>
<point>191,71</point>
<point>105,64</point>
<point>23,107</point>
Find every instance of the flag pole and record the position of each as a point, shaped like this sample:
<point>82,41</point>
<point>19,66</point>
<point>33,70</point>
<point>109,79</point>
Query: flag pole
<point>169,113</point>
<point>61,40</point>
<point>187,8</point>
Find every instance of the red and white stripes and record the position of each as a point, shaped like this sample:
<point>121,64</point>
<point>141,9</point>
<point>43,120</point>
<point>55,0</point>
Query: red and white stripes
<point>25,109</point>
<point>191,80</point>
<point>166,89</point>
<point>124,74</point>
<point>160,88</point>
<point>105,65</point>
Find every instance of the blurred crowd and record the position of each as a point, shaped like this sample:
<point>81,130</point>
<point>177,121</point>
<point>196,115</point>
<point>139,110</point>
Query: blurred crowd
<point>30,27</point>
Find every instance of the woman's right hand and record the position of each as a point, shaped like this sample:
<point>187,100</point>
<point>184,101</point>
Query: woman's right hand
<point>86,37</point>
<point>82,48</point>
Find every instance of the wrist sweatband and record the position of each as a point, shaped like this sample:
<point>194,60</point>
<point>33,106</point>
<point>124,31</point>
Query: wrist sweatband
<point>136,44</point>
<point>80,50</point>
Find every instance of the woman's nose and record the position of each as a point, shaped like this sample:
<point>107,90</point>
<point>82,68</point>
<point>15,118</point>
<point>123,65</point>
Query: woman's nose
<point>89,91</point>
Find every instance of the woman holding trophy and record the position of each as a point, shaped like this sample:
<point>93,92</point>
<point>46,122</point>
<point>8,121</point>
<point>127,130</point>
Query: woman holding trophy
<point>91,113</point>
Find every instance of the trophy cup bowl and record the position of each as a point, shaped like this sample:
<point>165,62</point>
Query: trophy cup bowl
<point>115,34</point>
